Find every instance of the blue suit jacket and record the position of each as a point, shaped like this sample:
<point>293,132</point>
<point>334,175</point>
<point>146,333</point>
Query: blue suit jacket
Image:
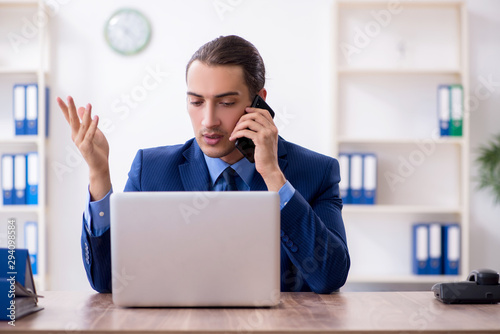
<point>314,254</point>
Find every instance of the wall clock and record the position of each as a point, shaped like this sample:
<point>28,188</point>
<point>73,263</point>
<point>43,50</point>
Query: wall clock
<point>127,31</point>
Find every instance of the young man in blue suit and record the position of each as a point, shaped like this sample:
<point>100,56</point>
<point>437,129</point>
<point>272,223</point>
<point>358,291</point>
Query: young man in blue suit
<point>223,77</point>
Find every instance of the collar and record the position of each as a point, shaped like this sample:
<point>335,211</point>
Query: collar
<point>216,166</point>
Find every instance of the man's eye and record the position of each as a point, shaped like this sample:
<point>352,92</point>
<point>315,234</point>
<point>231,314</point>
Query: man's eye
<point>227,104</point>
<point>196,103</point>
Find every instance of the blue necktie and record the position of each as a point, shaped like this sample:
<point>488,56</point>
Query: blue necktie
<point>229,176</point>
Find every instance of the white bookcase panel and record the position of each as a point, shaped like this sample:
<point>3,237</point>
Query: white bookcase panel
<point>23,59</point>
<point>385,35</point>
<point>389,59</point>
<point>20,38</point>
<point>7,82</point>
<point>380,245</point>
<point>398,106</point>
<point>418,174</point>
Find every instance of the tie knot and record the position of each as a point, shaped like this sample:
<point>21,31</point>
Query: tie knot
<point>229,176</point>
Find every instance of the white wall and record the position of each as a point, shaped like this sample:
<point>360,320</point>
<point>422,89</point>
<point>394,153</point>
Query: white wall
<point>294,40</point>
<point>485,122</point>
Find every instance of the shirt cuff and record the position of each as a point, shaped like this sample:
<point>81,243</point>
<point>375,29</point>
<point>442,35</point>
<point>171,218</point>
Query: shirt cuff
<point>286,193</point>
<point>96,214</point>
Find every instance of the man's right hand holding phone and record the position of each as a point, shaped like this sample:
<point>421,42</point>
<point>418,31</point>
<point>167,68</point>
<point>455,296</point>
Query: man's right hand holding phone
<point>91,143</point>
<point>258,125</point>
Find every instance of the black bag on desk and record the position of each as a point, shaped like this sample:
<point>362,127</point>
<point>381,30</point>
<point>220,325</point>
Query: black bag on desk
<point>17,288</point>
<point>481,287</point>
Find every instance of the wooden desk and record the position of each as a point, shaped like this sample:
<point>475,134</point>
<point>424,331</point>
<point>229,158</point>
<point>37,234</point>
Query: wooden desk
<point>348,312</point>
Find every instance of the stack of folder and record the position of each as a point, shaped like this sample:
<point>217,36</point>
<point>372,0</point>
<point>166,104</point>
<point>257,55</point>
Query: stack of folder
<point>436,249</point>
<point>358,178</point>
<point>450,110</point>
<point>25,105</point>
<point>20,178</point>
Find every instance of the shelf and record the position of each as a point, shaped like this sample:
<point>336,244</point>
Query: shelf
<point>398,71</point>
<point>19,209</point>
<point>409,3</point>
<point>377,141</point>
<point>20,140</point>
<point>379,208</point>
<point>404,279</point>
<point>18,71</point>
<point>18,3</point>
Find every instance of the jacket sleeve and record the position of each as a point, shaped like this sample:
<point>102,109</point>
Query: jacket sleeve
<point>96,253</point>
<point>313,234</point>
<point>96,249</point>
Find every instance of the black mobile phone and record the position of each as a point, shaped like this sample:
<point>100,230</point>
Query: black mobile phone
<point>246,145</point>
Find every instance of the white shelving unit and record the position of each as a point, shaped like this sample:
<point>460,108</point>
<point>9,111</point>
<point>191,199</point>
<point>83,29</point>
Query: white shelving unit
<point>390,58</point>
<point>24,59</point>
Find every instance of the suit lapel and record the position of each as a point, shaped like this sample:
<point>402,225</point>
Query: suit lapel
<point>258,183</point>
<point>194,172</point>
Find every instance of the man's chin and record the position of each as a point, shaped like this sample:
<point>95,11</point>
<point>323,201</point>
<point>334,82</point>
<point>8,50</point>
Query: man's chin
<point>227,153</point>
<point>215,151</point>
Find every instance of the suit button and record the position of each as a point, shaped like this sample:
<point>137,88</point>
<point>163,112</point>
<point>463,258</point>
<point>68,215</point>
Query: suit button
<point>285,238</point>
<point>282,233</point>
<point>294,248</point>
<point>289,243</point>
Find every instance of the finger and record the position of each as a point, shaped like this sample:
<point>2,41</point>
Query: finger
<point>248,124</point>
<point>254,121</point>
<point>261,116</point>
<point>64,108</point>
<point>89,136</point>
<point>243,133</point>
<point>85,115</point>
<point>74,121</point>
<point>263,112</point>
<point>80,113</point>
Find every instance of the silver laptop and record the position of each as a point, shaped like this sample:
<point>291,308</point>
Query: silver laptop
<point>195,249</point>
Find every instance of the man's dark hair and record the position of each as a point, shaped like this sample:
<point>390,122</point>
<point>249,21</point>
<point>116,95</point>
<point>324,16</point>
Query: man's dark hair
<point>234,50</point>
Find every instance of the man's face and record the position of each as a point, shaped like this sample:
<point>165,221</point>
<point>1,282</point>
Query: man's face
<point>216,99</point>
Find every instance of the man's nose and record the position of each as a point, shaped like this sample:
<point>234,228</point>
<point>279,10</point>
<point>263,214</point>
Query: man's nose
<point>210,118</point>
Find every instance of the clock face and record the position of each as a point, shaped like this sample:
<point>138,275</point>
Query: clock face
<point>127,31</point>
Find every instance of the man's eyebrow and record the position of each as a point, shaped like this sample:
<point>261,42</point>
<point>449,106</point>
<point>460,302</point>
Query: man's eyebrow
<point>227,94</point>
<point>216,96</point>
<point>194,94</point>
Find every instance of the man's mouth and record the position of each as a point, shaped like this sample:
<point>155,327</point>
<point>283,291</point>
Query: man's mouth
<point>212,138</point>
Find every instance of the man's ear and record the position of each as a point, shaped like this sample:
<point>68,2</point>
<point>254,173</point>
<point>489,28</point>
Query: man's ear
<point>262,93</point>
